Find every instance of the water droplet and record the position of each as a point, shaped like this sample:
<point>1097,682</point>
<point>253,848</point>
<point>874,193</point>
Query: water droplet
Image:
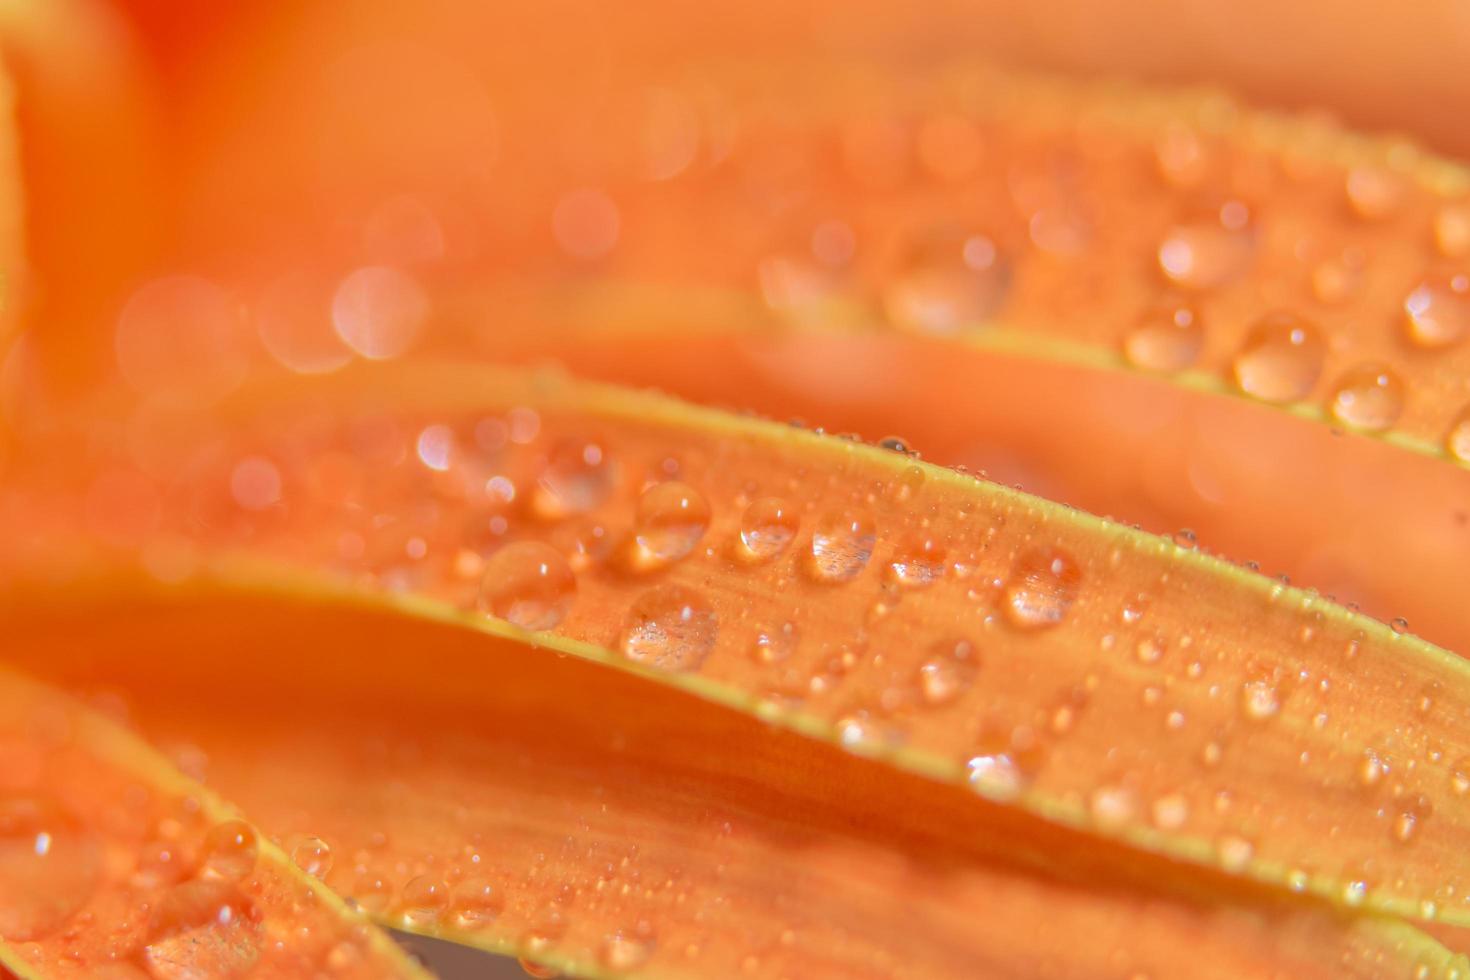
<point>1374,194</point>
<point>767,528</point>
<point>314,856</point>
<point>841,546</point>
<point>1280,359</point>
<point>1170,812</point>
<point>1457,440</point>
<point>773,646</point>
<point>578,477</point>
<point>201,929</point>
<point>917,563</point>
<point>1234,853</point>
<point>671,519</point>
<point>996,777</point>
<point>1259,700</point>
<point>424,900</point>
<point>229,851</point>
<point>1353,892</point>
<point>476,903</point>
<point>1043,585</point>
<point>537,971</point>
<point>1437,311</point>
<point>1112,806</point>
<point>529,584</point>
<point>625,950</point>
<point>949,284</point>
<point>1368,397</point>
<point>1452,230</point>
<point>1168,337</point>
<point>1403,827</point>
<point>1399,625</point>
<point>948,672</point>
<point>670,627</point>
<point>586,224</point>
<point>1204,256</point>
<point>1371,769</point>
<point>379,311</point>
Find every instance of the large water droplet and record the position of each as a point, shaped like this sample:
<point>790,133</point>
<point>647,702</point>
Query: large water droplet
<point>671,519</point>
<point>775,645</point>
<point>1168,337</point>
<point>767,528</point>
<point>313,855</point>
<point>1043,585</point>
<point>842,544</point>
<point>1280,359</point>
<point>917,563</point>
<point>1437,311</point>
<point>48,870</point>
<point>626,949</point>
<point>996,776</point>
<point>670,627</point>
<point>1368,397</point>
<point>577,478</point>
<point>529,584</point>
<point>949,284</point>
<point>229,851</point>
<point>202,929</point>
<point>425,898</point>
<point>477,902</point>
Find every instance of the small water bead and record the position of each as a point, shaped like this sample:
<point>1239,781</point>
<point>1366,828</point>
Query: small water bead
<point>626,949</point>
<point>314,856</point>
<point>477,902</point>
<point>1259,700</point>
<point>671,519</point>
<point>948,672</point>
<point>1437,311</point>
<point>1168,337</point>
<point>1043,585</point>
<point>579,476</point>
<point>1280,359</point>
<point>1234,852</point>
<point>1204,256</point>
<point>842,545</point>
<point>775,645</point>
<point>1368,397</point>
<point>201,929</point>
<point>917,564</point>
<point>379,311</point>
<point>948,285</point>
<point>1112,806</point>
<point>537,971</point>
<point>528,584</point>
<point>996,777</point>
<point>767,528</point>
<point>1170,812</point>
<point>1452,230</point>
<point>1374,193</point>
<point>425,899</point>
<point>230,851</point>
<point>372,892</point>
<point>671,628</point>
<point>1399,625</point>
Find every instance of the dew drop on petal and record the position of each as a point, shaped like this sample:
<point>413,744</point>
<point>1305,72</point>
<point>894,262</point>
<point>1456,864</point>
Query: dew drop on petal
<point>842,544</point>
<point>1259,700</point>
<point>1368,397</point>
<point>1437,311</point>
<point>1168,337</point>
<point>947,673</point>
<point>767,528</point>
<point>424,900</point>
<point>670,627</point>
<point>528,584</point>
<point>917,563</point>
<point>1112,806</point>
<point>476,902</point>
<point>1280,359</point>
<point>671,519</point>
<point>1457,440</point>
<point>1452,230</point>
<point>949,284</point>
<point>379,311</point>
<point>1043,584</point>
<point>313,855</point>
<point>1204,256</point>
<point>229,851</point>
<point>625,950</point>
<point>578,477</point>
<point>996,777</point>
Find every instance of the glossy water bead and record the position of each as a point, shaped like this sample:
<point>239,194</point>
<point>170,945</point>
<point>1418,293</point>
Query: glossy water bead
<point>529,584</point>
